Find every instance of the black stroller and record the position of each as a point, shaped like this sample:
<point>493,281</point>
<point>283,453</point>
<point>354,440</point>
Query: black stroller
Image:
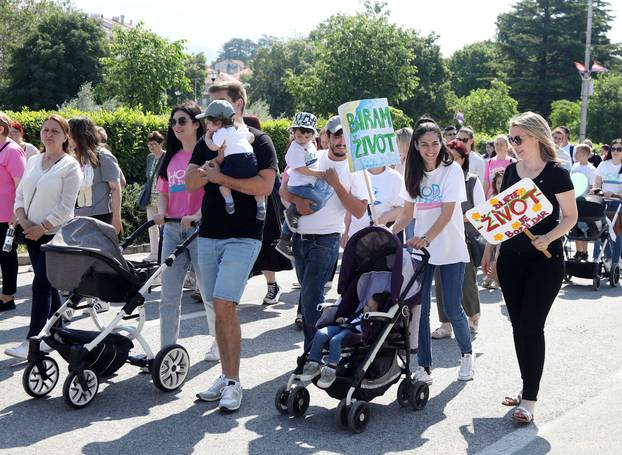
<point>373,261</point>
<point>85,259</point>
<point>594,226</point>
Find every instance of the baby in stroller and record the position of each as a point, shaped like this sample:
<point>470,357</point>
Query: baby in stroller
<point>334,335</point>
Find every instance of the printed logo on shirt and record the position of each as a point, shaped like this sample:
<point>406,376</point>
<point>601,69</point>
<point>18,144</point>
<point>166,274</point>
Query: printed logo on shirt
<point>375,191</point>
<point>177,181</point>
<point>310,157</point>
<point>430,198</point>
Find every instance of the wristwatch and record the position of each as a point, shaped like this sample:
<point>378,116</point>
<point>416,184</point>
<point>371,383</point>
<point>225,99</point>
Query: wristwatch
<point>425,239</point>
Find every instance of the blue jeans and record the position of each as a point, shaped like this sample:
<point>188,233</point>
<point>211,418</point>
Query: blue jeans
<point>318,193</point>
<point>314,258</point>
<point>334,336</point>
<point>452,276</point>
<point>173,282</point>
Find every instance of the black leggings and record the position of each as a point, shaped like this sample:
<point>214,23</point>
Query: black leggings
<point>8,264</point>
<point>530,283</point>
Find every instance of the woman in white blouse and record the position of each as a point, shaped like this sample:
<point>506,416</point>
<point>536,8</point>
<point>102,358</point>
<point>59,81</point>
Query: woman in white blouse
<point>45,199</point>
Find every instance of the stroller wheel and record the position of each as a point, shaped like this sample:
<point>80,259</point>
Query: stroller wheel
<point>418,395</point>
<point>40,378</point>
<point>596,283</point>
<point>75,394</point>
<point>614,276</point>
<point>402,392</point>
<point>358,416</point>
<point>170,368</point>
<point>280,400</point>
<point>342,415</point>
<point>298,401</point>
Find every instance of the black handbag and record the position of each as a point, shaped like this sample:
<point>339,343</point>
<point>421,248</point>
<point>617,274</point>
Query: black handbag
<point>145,195</point>
<point>476,245</point>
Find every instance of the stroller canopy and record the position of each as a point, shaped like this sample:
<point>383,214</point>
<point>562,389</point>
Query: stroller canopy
<point>90,234</point>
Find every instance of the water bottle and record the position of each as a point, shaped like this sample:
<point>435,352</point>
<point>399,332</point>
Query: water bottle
<point>8,240</point>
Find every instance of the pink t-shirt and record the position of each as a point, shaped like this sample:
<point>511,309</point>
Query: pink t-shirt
<point>180,202</point>
<point>12,165</point>
<point>492,166</point>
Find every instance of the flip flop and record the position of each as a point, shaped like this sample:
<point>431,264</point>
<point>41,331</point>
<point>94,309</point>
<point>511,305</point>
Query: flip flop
<point>510,400</point>
<point>522,415</point>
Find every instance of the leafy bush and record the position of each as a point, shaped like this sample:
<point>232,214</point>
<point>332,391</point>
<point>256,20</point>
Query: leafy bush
<point>131,215</point>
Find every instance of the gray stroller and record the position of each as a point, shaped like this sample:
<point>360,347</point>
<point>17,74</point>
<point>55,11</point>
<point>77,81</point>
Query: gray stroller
<point>85,259</point>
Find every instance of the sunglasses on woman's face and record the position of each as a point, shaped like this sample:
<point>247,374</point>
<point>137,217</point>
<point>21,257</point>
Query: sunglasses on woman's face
<point>616,149</point>
<point>181,121</point>
<point>464,139</point>
<point>515,140</point>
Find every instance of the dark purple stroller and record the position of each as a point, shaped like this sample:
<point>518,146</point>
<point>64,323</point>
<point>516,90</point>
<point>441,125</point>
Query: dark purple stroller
<point>374,260</point>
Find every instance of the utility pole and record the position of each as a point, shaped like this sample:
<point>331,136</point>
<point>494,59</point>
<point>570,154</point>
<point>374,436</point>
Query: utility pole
<point>587,83</point>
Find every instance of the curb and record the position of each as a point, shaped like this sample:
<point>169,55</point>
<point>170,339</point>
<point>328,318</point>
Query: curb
<point>23,259</point>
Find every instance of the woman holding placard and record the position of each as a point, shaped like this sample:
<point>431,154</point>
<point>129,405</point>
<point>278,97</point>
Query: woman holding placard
<point>530,281</point>
<point>436,185</point>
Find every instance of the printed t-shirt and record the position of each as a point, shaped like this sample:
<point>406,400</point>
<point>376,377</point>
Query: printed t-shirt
<point>12,165</point>
<point>386,188</point>
<point>554,179</point>
<point>298,156</point>
<point>329,219</point>
<point>237,140</point>
<point>611,176</point>
<point>94,196</point>
<point>180,202</point>
<point>216,223</point>
<point>586,169</point>
<point>443,184</point>
<point>492,166</point>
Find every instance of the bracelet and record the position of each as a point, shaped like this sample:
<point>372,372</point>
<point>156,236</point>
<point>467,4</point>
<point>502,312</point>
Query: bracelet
<point>425,239</point>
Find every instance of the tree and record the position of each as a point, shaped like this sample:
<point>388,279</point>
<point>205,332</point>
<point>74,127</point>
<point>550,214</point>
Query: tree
<point>50,66</point>
<point>19,21</point>
<point>271,65</point>
<point>566,112</point>
<point>605,109</point>
<point>238,49</point>
<point>433,96</point>
<point>143,68</point>
<point>541,39</point>
<point>360,56</point>
<point>488,111</point>
<point>196,72</point>
<point>475,66</point>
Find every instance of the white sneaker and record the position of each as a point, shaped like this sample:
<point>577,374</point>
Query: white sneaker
<point>231,397</point>
<point>213,355</point>
<point>327,378</point>
<point>467,370</point>
<point>100,306</point>
<point>423,376</point>
<point>309,371</point>
<point>21,350</point>
<point>214,392</point>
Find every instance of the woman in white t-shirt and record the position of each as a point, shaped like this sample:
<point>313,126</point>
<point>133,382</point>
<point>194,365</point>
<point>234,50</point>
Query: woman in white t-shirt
<point>436,185</point>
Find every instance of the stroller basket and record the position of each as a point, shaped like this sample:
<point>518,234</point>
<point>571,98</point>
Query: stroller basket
<point>105,359</point>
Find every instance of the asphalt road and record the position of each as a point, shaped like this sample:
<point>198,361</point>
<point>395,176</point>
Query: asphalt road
<point>577,413</point>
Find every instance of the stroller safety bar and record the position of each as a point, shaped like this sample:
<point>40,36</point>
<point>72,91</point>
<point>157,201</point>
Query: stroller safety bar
<point>322,306</point>
<point>380,316</point>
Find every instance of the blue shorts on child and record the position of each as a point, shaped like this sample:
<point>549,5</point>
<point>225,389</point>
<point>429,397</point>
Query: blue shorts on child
<point>240,165</point>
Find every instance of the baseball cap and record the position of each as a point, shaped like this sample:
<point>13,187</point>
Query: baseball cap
<point>218,109</point>
<point>334,124</point>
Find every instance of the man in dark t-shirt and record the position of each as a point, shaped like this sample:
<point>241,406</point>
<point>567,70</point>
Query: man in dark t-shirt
<point>229,243</point>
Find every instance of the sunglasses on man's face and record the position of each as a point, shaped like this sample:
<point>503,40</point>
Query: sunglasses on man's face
<point>181,121</point>
<point>515,140</point>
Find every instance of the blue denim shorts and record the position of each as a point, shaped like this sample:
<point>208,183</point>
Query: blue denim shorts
<point>225,265</point>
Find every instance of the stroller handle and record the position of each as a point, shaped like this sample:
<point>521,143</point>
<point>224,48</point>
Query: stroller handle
<point>143,227</point>
<point>424,253</point>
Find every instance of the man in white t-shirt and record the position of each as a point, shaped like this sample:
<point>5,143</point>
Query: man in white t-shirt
<point>316,243</point>
<point>477,164</point>
<point>386,184</point>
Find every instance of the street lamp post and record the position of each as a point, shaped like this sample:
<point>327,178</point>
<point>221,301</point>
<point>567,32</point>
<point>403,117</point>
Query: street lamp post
<point>587,83</point>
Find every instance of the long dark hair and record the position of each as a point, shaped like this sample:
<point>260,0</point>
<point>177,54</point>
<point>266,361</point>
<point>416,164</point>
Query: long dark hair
<point>174,145</point>
<point>415,169</point>
<point>84,135</point>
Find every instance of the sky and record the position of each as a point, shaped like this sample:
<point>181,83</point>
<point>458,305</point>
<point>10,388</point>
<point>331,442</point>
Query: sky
<point>456,22</point>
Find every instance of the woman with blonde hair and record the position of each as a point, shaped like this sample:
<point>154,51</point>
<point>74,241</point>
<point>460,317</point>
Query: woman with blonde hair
<point>530,281</point>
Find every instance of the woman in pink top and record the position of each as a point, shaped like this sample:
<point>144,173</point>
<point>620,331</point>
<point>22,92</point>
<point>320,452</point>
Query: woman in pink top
<point>12,165</point>
<point>177,209</point>
<point>499,162</point>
